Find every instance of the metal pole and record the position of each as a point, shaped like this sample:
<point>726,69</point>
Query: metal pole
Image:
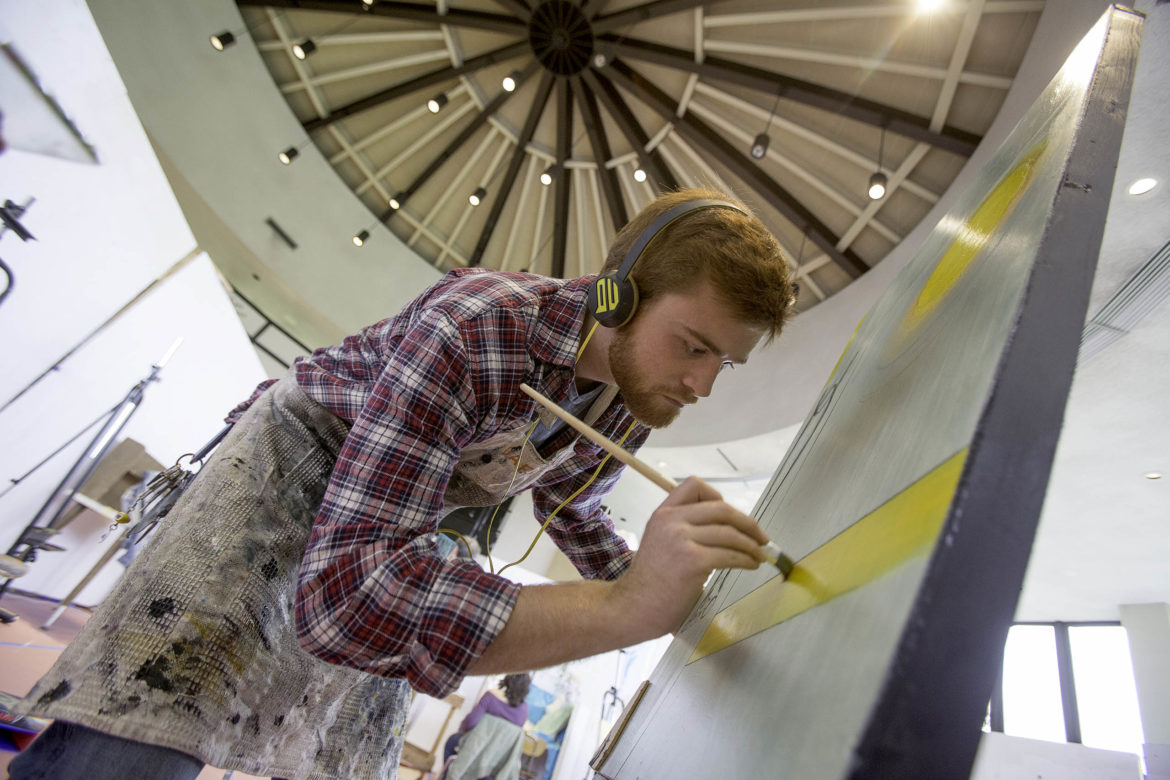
<point>51,511</point>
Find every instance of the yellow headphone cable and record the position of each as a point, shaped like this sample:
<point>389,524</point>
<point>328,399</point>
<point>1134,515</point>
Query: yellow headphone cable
<point>577,492</point>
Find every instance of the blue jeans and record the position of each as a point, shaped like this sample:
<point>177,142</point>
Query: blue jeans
<point>65,751</point>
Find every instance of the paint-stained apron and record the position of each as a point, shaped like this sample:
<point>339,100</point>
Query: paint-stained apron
<point>196,649</point>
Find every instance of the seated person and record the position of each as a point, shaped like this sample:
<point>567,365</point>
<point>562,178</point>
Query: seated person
<point>511,707</point>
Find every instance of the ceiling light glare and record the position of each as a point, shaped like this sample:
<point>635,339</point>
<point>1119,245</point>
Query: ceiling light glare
<point>222,40</point>
<point>361,238</point>
<point>1154,475</point>
<point>929,6</point>
<point>303,49</point>
<point>1142,186</point>
<point>639,175</point>
<point>877,186</point>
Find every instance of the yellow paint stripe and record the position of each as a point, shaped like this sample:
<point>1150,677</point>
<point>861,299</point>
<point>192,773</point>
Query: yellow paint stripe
<point>845,351</point>
<point>903,528</point>
<point>974,237</point>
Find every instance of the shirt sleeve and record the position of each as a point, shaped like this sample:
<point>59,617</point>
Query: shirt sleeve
<point>473,717</point>
<point>374,593</point>
<point>235,414</point>
<point>581,529</point>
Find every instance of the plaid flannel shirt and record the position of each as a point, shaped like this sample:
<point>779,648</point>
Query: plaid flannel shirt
<point>417,388</point>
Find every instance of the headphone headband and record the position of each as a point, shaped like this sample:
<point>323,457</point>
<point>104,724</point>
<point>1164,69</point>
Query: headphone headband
<point>661,223</point>
<point>613,298</point>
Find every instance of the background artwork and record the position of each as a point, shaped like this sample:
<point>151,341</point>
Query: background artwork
<point>910,497</point>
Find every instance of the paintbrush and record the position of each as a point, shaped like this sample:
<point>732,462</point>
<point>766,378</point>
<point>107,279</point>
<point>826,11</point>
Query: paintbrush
<point>772,553</point>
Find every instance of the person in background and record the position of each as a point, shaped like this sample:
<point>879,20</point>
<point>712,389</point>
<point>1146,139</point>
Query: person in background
<point>511,708</point>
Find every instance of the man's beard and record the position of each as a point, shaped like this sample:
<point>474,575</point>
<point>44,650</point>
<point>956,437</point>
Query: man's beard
<point>641,398</point>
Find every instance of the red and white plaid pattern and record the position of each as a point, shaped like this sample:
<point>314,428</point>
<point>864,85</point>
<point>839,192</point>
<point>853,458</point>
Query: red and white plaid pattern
<point>416,389</point>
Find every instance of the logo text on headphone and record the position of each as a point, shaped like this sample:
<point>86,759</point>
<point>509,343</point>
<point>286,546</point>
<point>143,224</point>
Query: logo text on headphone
<point>607,295</point>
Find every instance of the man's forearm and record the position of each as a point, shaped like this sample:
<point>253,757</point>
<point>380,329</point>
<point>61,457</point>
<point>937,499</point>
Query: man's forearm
<point>552,624</point>
<point>692,533</point>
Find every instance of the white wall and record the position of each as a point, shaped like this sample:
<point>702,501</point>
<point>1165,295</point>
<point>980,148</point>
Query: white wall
<point>104,232</point>
<point>1014,758</point>
<point>220,123</point>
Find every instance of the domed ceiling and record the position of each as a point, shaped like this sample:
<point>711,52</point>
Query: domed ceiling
<point>614,102</point>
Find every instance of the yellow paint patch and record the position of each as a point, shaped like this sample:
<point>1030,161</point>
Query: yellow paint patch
<point>845,351</point>
<point>973,237</point>
<point>903,528</point>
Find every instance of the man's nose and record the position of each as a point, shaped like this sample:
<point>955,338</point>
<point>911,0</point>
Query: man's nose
<point>701,379</point>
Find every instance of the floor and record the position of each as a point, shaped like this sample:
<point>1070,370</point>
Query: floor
<point>27,651</point>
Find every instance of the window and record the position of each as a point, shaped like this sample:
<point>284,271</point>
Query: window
<point>1099,705</point>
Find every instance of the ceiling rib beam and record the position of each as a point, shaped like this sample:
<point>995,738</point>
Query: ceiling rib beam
<point>452,187</point>
<point>537,245</point>
<point>591,116</point>
<point>862,11</point>
<point>862,161</point>
<point>517,7</point>
<point>538,104</point>
<point>718,147</point>
<point>450,120</point>
<point>367,70</point>
<point>561,206</point>
<point>469,210</point>
<point>834,101</point>
<point>710,177</point>
<point>884,64</point>
<point>602,236</point>
<point>463,137</point>
<point>418,12</point>
<point>817,182</point>
<point>640,13</point>
<point>351,39</point>
<point>651,161</point>
<point>958,59</point>
<point>579,200</point>
<point>521,210</point>
<point>501,54</point>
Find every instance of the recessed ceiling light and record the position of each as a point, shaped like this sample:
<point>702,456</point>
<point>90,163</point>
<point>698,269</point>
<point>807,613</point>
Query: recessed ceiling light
<point>1142,186</point>
<point>929,5</point>
<point>1153,475</point>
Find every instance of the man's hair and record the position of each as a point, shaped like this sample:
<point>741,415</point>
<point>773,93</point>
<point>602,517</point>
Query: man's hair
<point>515,688</point>
<point>732,251</point>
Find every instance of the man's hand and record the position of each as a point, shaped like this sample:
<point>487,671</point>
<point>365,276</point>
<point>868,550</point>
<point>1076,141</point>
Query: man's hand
<point>692,533</point>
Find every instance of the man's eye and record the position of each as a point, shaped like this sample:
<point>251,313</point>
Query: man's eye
<point>696,350</point>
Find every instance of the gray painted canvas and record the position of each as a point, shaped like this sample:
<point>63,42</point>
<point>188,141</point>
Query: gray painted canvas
<point>910,496</point>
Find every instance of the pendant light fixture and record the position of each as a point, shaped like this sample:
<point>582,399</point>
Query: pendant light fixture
<point>759,146</point>
<point>877,182</point>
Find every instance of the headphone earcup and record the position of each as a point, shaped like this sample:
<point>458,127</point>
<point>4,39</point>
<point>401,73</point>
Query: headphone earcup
<point>611,300</point>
